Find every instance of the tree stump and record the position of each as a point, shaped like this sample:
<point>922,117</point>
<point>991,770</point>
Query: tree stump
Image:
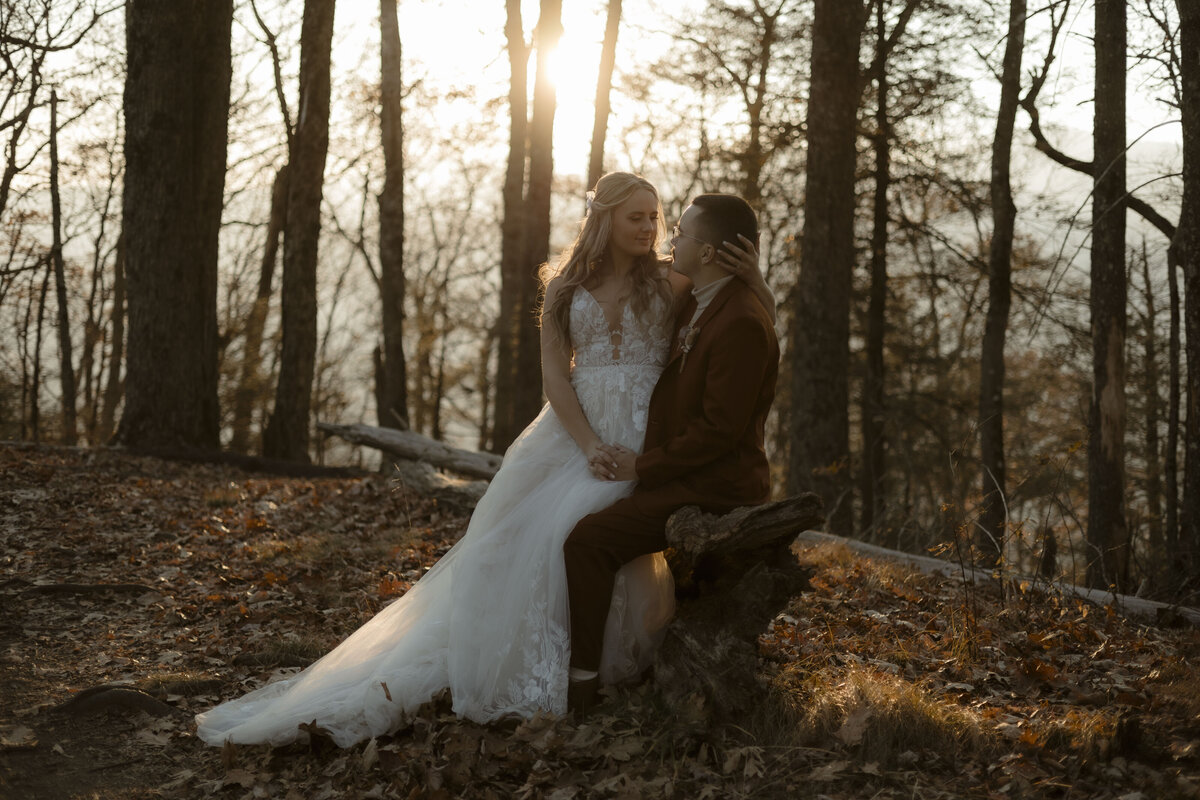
<point>734,574</point>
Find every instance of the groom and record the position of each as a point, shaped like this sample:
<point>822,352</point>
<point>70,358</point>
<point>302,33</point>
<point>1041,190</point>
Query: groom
<point>704,436</point>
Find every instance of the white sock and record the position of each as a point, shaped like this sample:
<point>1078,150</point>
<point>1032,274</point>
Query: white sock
<point>577,674</point>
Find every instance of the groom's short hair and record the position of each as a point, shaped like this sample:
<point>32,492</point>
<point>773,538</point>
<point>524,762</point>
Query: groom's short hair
<point>723,216</point>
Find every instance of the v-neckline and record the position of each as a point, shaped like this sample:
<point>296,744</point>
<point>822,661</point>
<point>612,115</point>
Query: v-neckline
<point>620,328</point>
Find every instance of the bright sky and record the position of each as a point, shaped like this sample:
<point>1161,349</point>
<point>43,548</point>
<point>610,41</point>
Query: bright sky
<point>462,42</point>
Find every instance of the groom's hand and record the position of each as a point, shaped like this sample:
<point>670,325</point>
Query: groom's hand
<point>624,462</point>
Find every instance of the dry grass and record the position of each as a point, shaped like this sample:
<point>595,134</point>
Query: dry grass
<point>881,718</point>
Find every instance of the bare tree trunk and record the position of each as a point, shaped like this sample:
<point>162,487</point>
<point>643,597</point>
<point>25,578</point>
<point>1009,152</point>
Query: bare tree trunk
<point>394,412</point>
<point>484,383</point>
<point>174,184</point>
<point>287,432</point>
<point>1187,252</point>
<point>1157,556</point>
<point>27,384</point>
<point>819,336</point>
<point>66,362</point>
<point>1171,459</point>
<point>873,414</point>
<point>608,61</point>
<point>528,398</point>
<point>993,512</point>
<point>35,411</point>
<point>439,384</point>
<point>1108,533</point>
<point>250,384</point>
<point>114,386</point>
<point>512,233</point>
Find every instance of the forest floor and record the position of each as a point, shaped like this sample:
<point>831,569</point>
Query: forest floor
<point>895,684</point>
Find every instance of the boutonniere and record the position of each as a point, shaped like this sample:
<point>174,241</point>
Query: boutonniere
<point>689,340</point>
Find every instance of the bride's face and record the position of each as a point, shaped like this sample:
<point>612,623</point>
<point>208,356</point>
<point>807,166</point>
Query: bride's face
<point>635,224</point>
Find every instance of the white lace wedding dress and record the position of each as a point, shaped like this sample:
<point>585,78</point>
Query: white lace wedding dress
<point>490,619</point>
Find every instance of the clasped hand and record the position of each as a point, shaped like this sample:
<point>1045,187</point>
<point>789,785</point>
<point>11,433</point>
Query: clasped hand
<point>612,462</point>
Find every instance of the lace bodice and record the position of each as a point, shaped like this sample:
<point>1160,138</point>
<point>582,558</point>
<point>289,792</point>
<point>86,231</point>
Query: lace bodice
<point>638,341</point>
<point>614,375</point>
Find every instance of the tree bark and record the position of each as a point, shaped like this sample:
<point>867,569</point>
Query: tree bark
<point>66,361</point>
<point>114,385</point>
<point>1186,246</point>
<point>819,336</point>
<point>1108,533</point>
<point>608,62</point>
<point>1175,571</point>
<point>734,574</point>
<point>512,232</point>
<point>1156,555</point>
<point>287,432</point>
<point>250,385</point>
<point>528,396</point>
<point>394,411</point>
<point>174,182</point>
<point>993,515</point>
<point>873,410</point>
<point>35,410</point>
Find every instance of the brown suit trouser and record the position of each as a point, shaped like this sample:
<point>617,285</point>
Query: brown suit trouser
<point>600,545</point>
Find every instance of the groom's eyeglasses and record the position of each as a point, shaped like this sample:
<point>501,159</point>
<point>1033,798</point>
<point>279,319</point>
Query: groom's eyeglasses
<point>678,234</point>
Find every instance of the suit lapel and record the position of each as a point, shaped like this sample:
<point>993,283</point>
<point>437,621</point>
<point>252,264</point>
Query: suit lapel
<point>681,319</point>
<point>728,291</point>
<point>713,308</point>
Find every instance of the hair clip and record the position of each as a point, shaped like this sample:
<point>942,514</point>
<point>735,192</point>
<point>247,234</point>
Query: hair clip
<point>589,198</point>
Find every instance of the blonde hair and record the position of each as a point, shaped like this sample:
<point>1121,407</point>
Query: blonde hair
<point>590,250</point>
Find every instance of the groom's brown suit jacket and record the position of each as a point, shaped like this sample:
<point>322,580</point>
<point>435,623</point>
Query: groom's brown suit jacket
<point>703,446</point>
<point>705,430</point>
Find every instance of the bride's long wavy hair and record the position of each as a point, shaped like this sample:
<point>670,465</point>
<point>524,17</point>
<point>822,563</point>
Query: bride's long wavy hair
<point>590,251</point>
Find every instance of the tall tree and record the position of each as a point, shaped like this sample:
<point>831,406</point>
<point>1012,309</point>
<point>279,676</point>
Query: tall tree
<point>993,481</point>
<point>393,379</point>
<point>250,383</point>
<point>114,386</point>
<point>537,215</point>
<point>286,435</point>
<point>512,229</point>
<point>1186,247</point>
<point>519,377</point>
<point>1108,532</point>
<point>174,183</point>
<point>66,368</point>
<point>819,333</point>
<point>873,407</point>
<point>608,62</point>
<point>1156,552</point>
<point>1175,570</point>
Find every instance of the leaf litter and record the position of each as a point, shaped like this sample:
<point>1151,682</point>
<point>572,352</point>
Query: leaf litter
<point>194,583</point>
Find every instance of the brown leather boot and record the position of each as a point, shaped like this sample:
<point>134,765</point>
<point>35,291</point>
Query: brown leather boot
<point>582,697</point>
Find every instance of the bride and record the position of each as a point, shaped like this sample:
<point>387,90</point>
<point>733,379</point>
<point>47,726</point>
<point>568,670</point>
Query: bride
<point>490,619</point>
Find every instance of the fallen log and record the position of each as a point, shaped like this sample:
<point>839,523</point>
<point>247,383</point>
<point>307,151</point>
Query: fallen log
<point>126,698</point>
<point>1136,607</point>
<point>88,588</point>
<point>415,447</point>
<point>734,573</point>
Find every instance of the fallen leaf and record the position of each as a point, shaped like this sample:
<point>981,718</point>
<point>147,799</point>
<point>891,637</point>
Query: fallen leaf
<point>828,772</point>
<point>852,730</point>
<point>18,738</point>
